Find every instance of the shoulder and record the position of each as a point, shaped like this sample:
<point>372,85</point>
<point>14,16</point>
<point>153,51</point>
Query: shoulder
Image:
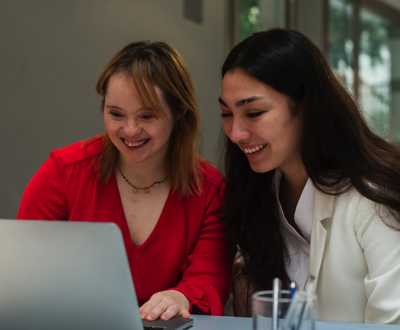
<point>79,151</point>
<point>354,210</point>
<point>209,174</point>
<point>353,199</point>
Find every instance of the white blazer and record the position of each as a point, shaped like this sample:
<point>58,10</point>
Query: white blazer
<point>356,259</point>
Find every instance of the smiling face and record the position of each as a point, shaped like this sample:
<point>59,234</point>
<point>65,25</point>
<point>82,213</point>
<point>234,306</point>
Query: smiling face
<point>257,118</point>
<point>139,133</point>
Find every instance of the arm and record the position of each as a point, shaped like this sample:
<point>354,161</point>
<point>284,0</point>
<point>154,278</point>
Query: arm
<point>43,198</point>
<point>205,281</point>
<point>240,289</point>
<point>381,245</point>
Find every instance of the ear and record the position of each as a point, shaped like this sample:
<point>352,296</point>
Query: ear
<point>184,110</point>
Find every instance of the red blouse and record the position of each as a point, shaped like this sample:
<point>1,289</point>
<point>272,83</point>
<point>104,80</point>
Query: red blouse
<point>187,250</point>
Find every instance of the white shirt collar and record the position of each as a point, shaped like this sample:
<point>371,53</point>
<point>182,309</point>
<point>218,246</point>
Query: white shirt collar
<point>298,246</point>
<point>303,215</point>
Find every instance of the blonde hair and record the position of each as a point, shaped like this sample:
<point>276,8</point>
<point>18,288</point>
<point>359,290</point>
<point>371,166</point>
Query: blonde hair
<point>150,64</point>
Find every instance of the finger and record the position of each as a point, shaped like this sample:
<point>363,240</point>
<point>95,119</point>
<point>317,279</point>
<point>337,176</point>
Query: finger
<point>184,314</point>
<point>155,313</point>
<point>169,313</point>
<point>141,311</point>
<point>149,305</point>
<point>160,308</point>
<point>141,308</point>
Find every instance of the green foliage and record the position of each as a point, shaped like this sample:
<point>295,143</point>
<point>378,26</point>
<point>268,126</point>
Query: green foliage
<point>375,59</point>
<point>374,35</point>
<point>341,32</point>
<point>249,18</point>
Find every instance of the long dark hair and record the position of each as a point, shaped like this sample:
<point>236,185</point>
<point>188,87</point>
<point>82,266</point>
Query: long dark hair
<point>339,151</point>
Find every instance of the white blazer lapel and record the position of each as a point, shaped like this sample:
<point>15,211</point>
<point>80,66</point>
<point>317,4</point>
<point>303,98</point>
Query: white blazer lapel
<point>323,209</point>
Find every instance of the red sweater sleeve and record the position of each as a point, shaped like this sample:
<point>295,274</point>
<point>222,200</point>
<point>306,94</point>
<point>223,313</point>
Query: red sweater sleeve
<point>44,197</point>
<point>206,280</point>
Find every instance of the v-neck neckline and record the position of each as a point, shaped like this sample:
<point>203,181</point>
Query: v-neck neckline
<point>125,222</point>
<point>298,210</point>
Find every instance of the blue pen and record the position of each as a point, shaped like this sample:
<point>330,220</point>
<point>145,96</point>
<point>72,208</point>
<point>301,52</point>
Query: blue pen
<point>292,289</point>
<point>292,292</point>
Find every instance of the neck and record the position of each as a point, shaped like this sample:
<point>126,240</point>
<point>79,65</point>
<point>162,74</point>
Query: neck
<point>294,179</point>
<point>143,174</point>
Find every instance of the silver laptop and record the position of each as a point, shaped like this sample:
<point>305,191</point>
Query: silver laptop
<point>68,275</point>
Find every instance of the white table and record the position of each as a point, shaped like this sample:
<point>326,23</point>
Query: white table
<point>205,322</point>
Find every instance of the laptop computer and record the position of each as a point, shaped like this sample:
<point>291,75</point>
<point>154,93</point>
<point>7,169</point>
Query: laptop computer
<point>68,275</point>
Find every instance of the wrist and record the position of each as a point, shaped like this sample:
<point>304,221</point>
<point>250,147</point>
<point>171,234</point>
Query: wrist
<point>182,298</point>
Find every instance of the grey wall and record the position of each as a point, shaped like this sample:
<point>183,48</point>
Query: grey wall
<point>394,3</point>
<point>310,20</point>
<point>51,53</point>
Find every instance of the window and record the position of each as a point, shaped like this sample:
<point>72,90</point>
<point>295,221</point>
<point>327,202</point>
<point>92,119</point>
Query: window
<point>257,15</point>
<point>364,52</point>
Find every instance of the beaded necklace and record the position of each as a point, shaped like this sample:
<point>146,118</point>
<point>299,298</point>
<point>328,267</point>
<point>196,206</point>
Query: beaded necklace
<point>146,190</point>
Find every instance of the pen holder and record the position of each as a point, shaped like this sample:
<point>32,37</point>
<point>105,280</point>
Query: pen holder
<point>301,313</point>
<point>262,309</point>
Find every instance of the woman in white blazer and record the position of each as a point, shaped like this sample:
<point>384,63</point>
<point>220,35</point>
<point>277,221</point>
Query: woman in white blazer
<point>310,189</point>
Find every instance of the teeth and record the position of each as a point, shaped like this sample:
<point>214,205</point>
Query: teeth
<point>250,151</point>
<point>135,144</point>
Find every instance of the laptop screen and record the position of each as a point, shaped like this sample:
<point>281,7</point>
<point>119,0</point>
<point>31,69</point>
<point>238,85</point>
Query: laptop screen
<point>65,275</point>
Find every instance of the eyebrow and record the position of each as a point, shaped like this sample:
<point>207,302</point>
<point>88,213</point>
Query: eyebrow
<point>241,102</point>
<point>114,106</point>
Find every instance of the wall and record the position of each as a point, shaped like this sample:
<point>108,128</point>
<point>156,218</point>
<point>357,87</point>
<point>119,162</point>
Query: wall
<point>310,20</point>
<point>51,53</point>
<point>393,3</point>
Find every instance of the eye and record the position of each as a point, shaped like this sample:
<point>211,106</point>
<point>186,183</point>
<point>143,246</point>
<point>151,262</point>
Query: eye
<point>226,114</point>
<point>255,114</point>
<point>115,114</point>
<point>147,117</point>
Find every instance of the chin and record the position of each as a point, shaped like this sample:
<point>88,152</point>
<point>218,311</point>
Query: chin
<point>261,168</point>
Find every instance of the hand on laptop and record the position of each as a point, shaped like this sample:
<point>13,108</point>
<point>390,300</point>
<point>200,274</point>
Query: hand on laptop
<point>165,305</point>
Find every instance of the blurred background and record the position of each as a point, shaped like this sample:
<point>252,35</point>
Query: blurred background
<point>52,52</point>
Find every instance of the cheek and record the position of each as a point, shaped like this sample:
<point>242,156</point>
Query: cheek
<point>291,137</point>
<point>281,128</point>
<point>167,130</point>
<point>161,132</point>
<point>108,125</point>
<point>112,128</point>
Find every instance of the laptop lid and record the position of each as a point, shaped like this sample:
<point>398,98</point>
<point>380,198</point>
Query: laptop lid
<point>65,275</point>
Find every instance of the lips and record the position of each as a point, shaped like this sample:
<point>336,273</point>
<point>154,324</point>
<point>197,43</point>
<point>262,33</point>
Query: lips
<point>136,143</point>
<point>253,149</point>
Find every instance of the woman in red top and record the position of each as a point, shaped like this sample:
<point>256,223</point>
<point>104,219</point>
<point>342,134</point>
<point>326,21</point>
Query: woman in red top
<point>145,175</point>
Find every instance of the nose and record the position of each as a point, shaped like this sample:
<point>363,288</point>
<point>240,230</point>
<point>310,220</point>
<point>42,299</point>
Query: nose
<point>132,128</point>
<point>237,130</point>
